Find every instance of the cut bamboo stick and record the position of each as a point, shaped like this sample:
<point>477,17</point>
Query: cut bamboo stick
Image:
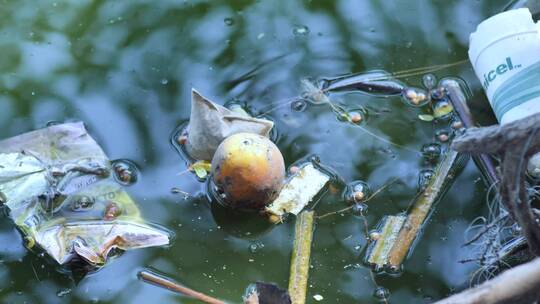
<point>299,274</point>
<point>379,250</point>
<point>438,184</point>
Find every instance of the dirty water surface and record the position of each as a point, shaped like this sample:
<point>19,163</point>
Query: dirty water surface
<point>127,69</point>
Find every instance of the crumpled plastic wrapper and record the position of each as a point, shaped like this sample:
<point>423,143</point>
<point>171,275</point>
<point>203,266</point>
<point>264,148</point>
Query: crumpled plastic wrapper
<point>299,190</point>
<point>58,187</point>
<point>210,124</point>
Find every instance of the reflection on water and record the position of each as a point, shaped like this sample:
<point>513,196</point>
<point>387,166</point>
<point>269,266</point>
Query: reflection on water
<point>127,69</point>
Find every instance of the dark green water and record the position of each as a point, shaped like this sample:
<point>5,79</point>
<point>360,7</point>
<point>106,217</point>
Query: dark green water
<point>127,68</point>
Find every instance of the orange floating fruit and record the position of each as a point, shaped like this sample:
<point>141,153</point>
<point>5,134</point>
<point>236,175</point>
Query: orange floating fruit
<point>249,170</point>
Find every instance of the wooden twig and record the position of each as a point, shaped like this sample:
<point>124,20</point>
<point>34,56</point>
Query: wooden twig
<point>445,172</point>
<point>516,142</point>
<point>518,285</point>
<point>303,237</point>
<point>458,99</point>
<point>153,278</point>
<point>496,138</point>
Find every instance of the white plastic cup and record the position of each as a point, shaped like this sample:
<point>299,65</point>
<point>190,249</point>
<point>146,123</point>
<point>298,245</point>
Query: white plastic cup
<point>505,54</point>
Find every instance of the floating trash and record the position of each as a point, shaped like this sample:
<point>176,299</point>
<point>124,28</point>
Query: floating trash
<point>442,109</point>
<point>378,83</point>
<point>300,189</point>
<point>429,81</point>
<point>210,124</point>
<point>415,97</point>
<point>164,81</point>
<point>300,30</point>
<point>201,169</point>
<point>426,117</point>
<point>63,198</point>
<point>431,151</point>
<point>312,93</point>
<point>318,297</point>
<point>126,172</point>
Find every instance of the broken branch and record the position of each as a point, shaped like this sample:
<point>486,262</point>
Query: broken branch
<point>516,285</point>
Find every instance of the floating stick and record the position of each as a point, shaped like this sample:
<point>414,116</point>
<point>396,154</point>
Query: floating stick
<point>438,184</point>
<point>459,101</point>
<point>303,236</point>
<point>153,278</point>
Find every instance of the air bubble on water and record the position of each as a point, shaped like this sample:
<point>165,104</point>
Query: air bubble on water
<point>126,172</point>
<point>300,30</point>
<point>164,81</point>
<point>423,178</point>
<point>63,292</point>
<point>442,135</point>
<point>415,97</point>
<point>357,191</point>
<point>228,21</point>
<point>299,105</point>
<point>381,293</point>
<point>438,93</point>
<point>255,247</point>
<point>429,81</point>
<point>431,151</point>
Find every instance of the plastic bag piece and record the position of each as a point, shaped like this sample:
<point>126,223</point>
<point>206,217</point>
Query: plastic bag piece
<point>210,124</point>
<point>56,184</point>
